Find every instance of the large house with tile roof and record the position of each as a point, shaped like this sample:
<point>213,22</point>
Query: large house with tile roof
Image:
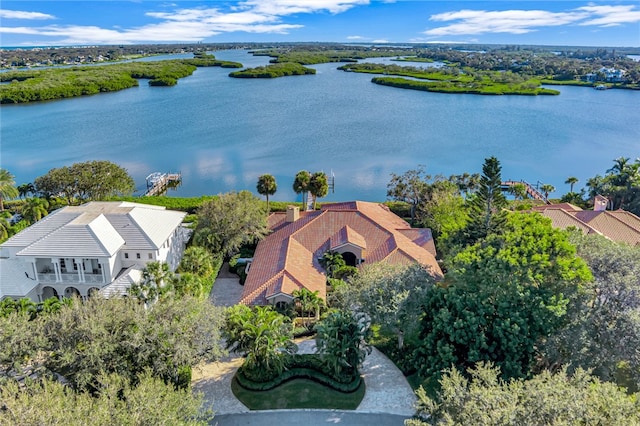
<point>617,225</point>
<point>95,247</point>
<point>363,232</point>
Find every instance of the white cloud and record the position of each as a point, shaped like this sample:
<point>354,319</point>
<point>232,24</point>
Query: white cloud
<point>380,40</point>
<point>504,21</point>
<point>468,22</point>
<point>189,24</point>
<point>290,7</point>
<point>355,38</point>
<point>609,16</point>
<point>19,14</point>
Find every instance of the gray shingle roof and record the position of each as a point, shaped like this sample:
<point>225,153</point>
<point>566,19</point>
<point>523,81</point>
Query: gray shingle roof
<point>14,278</point>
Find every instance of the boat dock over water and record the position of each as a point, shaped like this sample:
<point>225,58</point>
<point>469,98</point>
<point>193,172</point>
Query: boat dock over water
<point>532,191</point>
<point>158,182</point>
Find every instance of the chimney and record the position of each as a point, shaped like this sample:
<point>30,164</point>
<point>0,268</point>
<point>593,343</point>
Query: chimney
<point>600,203</point>
<point>293,213</point>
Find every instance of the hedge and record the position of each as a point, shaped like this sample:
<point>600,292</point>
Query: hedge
<point>298,366</point>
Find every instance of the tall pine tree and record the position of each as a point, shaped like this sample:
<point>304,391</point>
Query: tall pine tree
<point>487,207</point>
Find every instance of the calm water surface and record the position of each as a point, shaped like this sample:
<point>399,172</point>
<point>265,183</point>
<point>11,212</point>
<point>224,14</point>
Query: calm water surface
<point>222,133</point>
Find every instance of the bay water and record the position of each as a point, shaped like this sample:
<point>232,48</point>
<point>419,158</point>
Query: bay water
<point>221,133</point>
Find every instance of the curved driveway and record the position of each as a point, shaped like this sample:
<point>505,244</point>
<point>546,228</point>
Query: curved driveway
<point>388,399</point>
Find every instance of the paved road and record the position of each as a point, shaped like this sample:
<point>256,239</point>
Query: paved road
<point>308,418</point>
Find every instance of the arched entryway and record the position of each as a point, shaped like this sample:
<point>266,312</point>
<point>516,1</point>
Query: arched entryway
<point>49,292</point>
<point>93,291</point>
<point>349,258</point>
<point>71,292</point>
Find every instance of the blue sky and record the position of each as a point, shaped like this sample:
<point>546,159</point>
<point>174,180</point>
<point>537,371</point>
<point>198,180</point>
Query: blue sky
<point>581,23</point>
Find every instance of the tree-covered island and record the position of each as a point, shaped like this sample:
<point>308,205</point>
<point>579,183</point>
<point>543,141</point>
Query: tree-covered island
<point>478,69</point>
<point>273,71</point>
<point>453,80</point>
<point>59,83</point>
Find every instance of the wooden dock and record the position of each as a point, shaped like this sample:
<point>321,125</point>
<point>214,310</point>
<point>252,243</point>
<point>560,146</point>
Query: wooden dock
<point>157,182</point>
<point>532,191</point>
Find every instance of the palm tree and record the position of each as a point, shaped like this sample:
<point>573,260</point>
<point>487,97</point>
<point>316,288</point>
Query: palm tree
<point>156,273</point>
<point>7,187</point>
<point>309,302</point>
<point>267,186</point>
<point>4,228</point>
<point>572,180</point>
<point>26,306</point>
<point>154,278</point>
<point>51,305</point>
<point>318,186</point>
<point>619,166</point>
<point>596,185</point>
<point>341,339</point>
<point>7,307</point>
<point>34,209</point>
<point>26,189</point>
<point>301,185</point>
<point>519,191</point>
<point>197,260</point>
<point>546,189</point>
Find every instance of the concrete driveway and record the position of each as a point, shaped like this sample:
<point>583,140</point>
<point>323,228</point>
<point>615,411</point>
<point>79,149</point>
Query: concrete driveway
<point>226,289</point>
<point>388,398</point>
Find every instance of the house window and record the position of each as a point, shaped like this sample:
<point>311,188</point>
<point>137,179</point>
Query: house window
<point>75,266</point>
<point>150,256</point>
<point>62,264</point>
<point>126,255</point>
<point>137,255</point>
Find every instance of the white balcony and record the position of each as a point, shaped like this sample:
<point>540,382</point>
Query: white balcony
<point>71,278</point>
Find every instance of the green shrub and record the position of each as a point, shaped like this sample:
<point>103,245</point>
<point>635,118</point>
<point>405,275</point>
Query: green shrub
<point>183,381</point>
<point>185,204</point>
<point>297,367</point>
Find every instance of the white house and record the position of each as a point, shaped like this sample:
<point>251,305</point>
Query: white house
<point>98,246</point>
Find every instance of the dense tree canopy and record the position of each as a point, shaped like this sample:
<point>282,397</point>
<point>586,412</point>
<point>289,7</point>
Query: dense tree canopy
<point>116,402</point>
<point>545,399</point>
<point>603,331</point>
<point>410,187</point>
<point>81,182</point>
<point>391,295</point>
<point>229,221</point>
<point>83,340</point>
<point>502,296</point>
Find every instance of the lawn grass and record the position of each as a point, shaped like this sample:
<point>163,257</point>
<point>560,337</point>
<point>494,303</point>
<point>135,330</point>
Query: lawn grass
<point>298,393</point>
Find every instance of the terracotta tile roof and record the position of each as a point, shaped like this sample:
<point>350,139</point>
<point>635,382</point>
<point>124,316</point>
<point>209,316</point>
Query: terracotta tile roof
<point>615,226</point>
<point>619,225</point>
<point>563,206</point>
<point>346,235</point>
<point>562,219</point>
<point>288,258</point>
<point>421,237</point>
